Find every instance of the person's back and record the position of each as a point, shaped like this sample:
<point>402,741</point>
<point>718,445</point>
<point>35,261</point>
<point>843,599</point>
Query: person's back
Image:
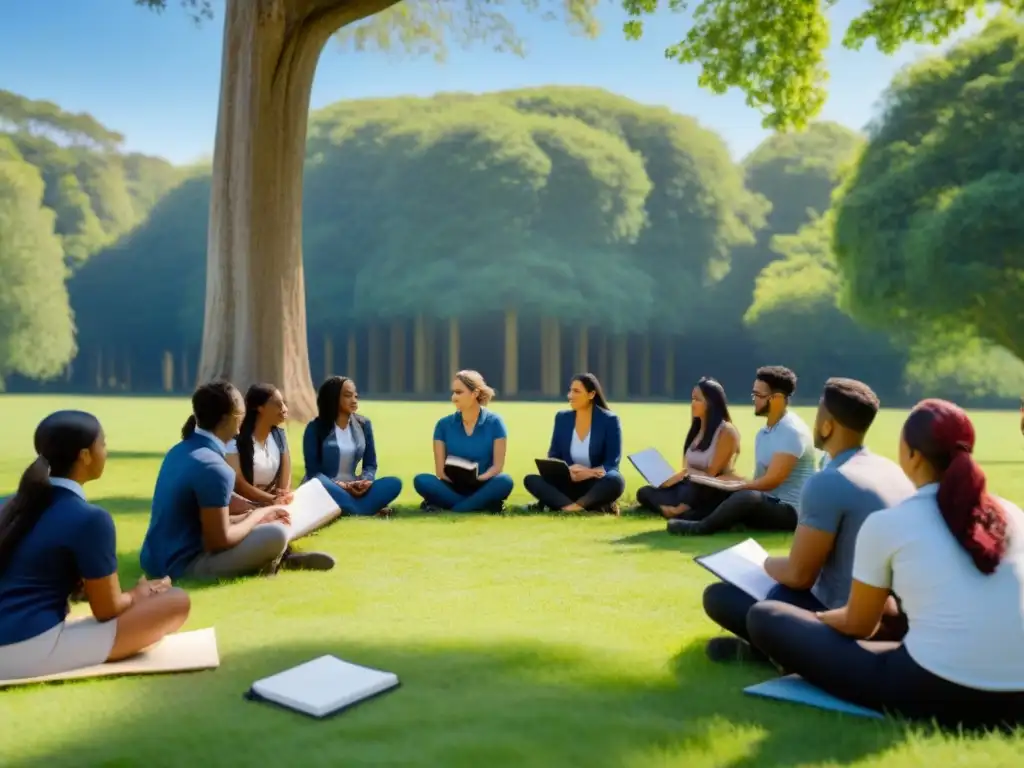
<point>175,537</point>
<point>70,537</point>
<point>964,626</point>
<point>790,435</point>
<point>856,484</point>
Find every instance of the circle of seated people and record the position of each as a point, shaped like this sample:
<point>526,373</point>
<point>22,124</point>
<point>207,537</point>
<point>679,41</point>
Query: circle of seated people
<point>901,591</point>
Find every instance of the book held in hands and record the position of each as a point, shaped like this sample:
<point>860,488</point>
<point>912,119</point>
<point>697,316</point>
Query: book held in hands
<point>463,473</point>
<point>323,686</point>
<point>741,565</point>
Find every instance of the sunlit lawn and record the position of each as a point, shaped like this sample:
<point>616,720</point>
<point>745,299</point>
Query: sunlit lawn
<point>520,640</point>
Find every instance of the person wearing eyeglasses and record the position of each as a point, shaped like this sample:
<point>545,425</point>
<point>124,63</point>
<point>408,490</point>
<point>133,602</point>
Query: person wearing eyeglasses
<point>784,457</point>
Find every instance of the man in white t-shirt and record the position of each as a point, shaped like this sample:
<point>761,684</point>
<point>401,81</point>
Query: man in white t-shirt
<point>784,456</point>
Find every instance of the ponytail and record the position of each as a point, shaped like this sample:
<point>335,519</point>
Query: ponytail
<point>189,429</point>
<point>975,519</point>
<point>22,511</point>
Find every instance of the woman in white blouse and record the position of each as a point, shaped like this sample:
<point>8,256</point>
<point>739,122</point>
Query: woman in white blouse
<point>259,455</point>
<point>954,555</point>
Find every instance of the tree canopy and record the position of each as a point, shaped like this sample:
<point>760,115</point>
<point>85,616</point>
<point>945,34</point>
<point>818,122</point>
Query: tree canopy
<point>930,225</point>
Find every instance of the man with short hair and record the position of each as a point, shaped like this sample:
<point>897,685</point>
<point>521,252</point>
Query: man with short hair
<point>818,571</point>
<point>784,458</point>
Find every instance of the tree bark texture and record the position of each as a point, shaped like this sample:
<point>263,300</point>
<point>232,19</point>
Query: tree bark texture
<point>255,319</point>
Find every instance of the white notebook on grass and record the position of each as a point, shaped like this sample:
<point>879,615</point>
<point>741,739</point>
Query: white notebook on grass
<point>741,565</point>
<point>323,686</point>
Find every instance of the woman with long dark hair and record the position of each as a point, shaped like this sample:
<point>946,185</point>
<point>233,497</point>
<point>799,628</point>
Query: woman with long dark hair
<point>955,556</point>
<point>711,447</point>
<point>193,531</point>
<point>260,455</point>
<point>53,541</point>
<point>335,443</point>
<point>588,438</point>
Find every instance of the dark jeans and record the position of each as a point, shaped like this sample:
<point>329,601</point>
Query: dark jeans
<point>596,493</point>
<point>877,675</point>
<point>753,509</point>
<point>728,605</point>
<point>700,499</point>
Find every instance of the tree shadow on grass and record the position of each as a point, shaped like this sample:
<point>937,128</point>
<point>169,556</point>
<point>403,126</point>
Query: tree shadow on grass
<point>459,705</point>
<point>660,539</point>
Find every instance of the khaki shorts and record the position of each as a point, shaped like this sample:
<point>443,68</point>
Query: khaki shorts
<point>70,645</point>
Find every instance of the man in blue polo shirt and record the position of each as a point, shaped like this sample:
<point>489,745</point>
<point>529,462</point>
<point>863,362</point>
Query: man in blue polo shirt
<point>818,571</point>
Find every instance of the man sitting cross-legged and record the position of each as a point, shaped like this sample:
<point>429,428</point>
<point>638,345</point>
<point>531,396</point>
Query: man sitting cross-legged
<point>816,574</point>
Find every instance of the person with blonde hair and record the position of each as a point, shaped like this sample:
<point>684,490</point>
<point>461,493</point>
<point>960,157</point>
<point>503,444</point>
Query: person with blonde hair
<point>471,435</point>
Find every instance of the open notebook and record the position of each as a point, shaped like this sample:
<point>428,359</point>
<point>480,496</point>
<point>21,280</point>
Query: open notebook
<point>741,565</point>
<point>311,506</point>
<point>323,686</point>
<point>797,690</point>
<point>652,466</point>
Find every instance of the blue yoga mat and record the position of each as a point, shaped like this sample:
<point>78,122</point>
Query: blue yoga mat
<point>797,690</point>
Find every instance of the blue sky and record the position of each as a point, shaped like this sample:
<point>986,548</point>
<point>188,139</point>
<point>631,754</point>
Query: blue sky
<point>155,78</point>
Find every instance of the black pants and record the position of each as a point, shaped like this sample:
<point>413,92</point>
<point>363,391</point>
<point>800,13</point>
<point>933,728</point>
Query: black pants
<point>593,494</point>
<point>700,499</point>
<point>877,675</point>
<point>728,605</point>
<point>753,509</point>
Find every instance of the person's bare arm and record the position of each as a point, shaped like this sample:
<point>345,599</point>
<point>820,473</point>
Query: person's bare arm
<point>440,454</point>
<point>220,533</point>
<point>108,601</point>
<point>778,470</point>
<point>285,485</point>
<point>725,449</point>
<point>801,567</point>
<point>243,487</point>
<point>498,461</point>
<point>862,614</point>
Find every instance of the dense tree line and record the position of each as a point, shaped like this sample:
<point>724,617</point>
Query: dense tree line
<point>532,232</point>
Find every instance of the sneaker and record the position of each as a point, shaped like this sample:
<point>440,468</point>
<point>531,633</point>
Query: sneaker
<point>307,561</point>
<point>385,512</point>
<point>425,507</point>
<point>683,527</point>
<point>732,649</point>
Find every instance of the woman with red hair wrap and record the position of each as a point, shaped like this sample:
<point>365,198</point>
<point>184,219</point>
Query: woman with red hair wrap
<point>954,554</point>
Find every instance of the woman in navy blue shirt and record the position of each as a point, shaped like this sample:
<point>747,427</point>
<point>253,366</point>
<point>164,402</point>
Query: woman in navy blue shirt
<point>334,444</point>
<point>476,436</point>
<point>587,437</point>
<point>52,543</point>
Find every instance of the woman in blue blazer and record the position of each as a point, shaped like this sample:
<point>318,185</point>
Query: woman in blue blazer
<point>589,439</point>
<point>333,445</point>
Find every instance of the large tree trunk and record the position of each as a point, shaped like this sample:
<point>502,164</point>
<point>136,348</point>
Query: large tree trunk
<point>255,321</point>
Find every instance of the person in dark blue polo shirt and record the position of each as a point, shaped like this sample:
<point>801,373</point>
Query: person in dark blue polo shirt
<point>52,544</point>
<point>587,437</point>
<point>193,532</point>
<point>475,435</point>
<point>333,445</point>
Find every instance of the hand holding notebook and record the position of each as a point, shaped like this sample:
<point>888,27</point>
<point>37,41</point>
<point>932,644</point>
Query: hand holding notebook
<point>741,565</point>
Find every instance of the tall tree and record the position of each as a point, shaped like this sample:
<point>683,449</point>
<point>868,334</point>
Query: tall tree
<point>930,226</point>
<point>255,318</point>
<point>36,330</point>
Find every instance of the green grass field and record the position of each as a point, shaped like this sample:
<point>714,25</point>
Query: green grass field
<point>520,640</point>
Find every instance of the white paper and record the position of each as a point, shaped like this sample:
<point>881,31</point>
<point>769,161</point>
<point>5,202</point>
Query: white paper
<point>180,652</point>
<point>652,465</point>
<point>742,566</point>
<point>716,482</point>
<point>311,507</point>
<point>324,685</point>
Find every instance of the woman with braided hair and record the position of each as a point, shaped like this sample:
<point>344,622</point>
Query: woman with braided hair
<point>954,554</point>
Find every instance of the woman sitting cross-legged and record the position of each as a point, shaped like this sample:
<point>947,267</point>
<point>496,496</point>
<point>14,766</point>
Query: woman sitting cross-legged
<point>955,557</point>
<point>710,448</point>
<point>193,530</point>
<point>473,435</point>
<point>259,455</point>
<point>334,444</point>
<point>588,438</point>
<point>52,542</point>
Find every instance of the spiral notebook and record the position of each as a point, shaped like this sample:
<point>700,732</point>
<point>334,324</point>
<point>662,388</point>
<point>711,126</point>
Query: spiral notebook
<point>324,686</point>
